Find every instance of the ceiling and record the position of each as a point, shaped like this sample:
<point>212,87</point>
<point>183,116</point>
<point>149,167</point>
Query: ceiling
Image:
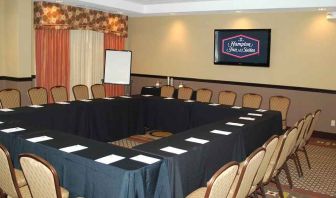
<point>138,8</point>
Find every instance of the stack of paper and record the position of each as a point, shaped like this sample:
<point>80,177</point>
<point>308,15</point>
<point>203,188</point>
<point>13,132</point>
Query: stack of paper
<point>147,95</point>
<point>235,124</point>
<point>108,98</point>
<point>86,100</point>
<point>6,110</point>
<point>236,107</point>
<point>247,118</point>
<point>110,159</point>
<point>255,114</point>
<point>40,139</point>
<point>1,122</point>
<point>261,110</point>
<point>174,150</point>
<point>74,148</point>
<point>214,104</point>
<point>189,101</point>
<point>168,98</point>
<point>12,130</point>
<point>220,132</point>
<point>148,87</point>
<point>36,106</point>
<point>125,97</point>
<point>63,103</point>
<point>197,140</point>
<point>145,159</point>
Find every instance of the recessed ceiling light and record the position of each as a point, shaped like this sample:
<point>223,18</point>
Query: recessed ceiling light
<point>238,11</point>
<point>59,1</point>
<point>321,9</point>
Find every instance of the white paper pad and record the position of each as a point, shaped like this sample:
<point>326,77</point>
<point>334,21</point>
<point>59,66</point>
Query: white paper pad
<point>125,97</point>
<point>189,101</point>
<point>36,106</point>
<point>6,110</point>
<point>168,98</point>
<point>109,159</point>
<point>236,107</point>
<point>247,118</point>
<point>255,114</point>
<point>74,148</point>
<point>145,159</point>
<point>86,100</point>
<point>63,103</point>
<point>197,140</point>
<point>261,110</point>
<point>221,132</point>
<point>174,150</point>
<point>147,95</point>
<point>40,139</point>
<point>235,124</point>
<point>108,98</point>
<point>12,130</point>
<point>1,122</point>
<point>214,104</point>
<point>148,87</point>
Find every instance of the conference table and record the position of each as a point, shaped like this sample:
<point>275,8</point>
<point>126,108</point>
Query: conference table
<point>95,122</point>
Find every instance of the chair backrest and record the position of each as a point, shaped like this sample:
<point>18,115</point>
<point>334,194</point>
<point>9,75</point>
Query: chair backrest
<point>299,125</point>
<point>203,95</point>
<point>269,146</point>
<point>41,177</point>
<point>80,92</point>
<point>167,91</point>
<point>8,182</point>
<point>184,93</point>
<point>280,103</point>
<point>59,93</point>
<point>248,172</point>
<point>313,124</point>
<point>10,98</point>
<point>38,95</point>
<point>227,97</point>
<point>221,182</point>
<point>305,128</point>
<point>98,91</point>
<point>252,100</point>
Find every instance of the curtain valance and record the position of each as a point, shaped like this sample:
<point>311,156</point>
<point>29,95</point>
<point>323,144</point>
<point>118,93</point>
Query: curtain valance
<point>58,16</point>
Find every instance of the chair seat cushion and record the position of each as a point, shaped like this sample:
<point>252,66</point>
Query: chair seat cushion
<point>199,193</point>
<point>20,178</point>
<point>64,193</point>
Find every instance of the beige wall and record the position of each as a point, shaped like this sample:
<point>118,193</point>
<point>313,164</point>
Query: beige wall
<point>16,37</point>
<point>302,50</point>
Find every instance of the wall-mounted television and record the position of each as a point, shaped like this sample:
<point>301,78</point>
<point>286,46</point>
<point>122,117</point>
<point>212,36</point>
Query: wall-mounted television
<point>248,47</point>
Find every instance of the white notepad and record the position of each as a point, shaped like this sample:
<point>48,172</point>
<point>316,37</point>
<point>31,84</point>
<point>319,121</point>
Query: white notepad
<point>261,110</point>
<point>189,101</point>
<point>107,98</point>
<point>147,95</point>
<point>1,122</point>
<point>145,159</point>
<point>73,148</point>
<point>63,103</point>
<point>86,100</point>
<point>168,98</point>
<point>40,139</point>
<point>197,140</point>
<point>6,110</point>
<point>220,132</point>
<point>110,159</point>
<point>35,106</point>
<point>236,107</point>
<point>125,97</point>
<point>174,150</point>
<point>247,118</point>
<point>214,104</point>
<point>235,124</point>
<point>148,87</point>
<point>12,130</point>
<point>255,114</point>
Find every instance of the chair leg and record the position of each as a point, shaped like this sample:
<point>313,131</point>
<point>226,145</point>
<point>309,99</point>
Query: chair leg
<point>292,156</point>
<point>278,185</point>
<point>299,163</point>
<point>289,178</point>
<point>306,154</point>
<point>262,190</point>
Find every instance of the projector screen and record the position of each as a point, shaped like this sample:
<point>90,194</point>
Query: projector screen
<point>117,67</point>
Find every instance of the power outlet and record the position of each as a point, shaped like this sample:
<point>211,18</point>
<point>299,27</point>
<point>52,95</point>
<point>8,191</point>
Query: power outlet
<point>332,123</point>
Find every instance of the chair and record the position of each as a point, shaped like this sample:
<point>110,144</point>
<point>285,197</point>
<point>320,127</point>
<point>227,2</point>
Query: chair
<point>280,103</point>
<point>59,93</point>
<point>227,98</point>
<point>252,100</point>
<point>80,92</point>
<point>41,177</point>
<point>246,174</point>
<point>219,184</point>
<point>38,95</point>
<point>10,98</point>
<point>184,93</point>
<point>269,146</point>
<point>12,180</point>
<point>203,95</point>
<point>98,91</point>
<point>167,91</point>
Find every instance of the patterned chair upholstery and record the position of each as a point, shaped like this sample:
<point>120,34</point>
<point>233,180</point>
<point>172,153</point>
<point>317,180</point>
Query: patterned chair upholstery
<point>98,91</point>
<point>184,93</point>
<point>246,174</point>
<point>41,177</point>
<point>252,100</point>
<point>219,184</point>
<point>38,95</point>
<point>167,91</point>
<point>10,98</point>
<point>227,98</point>
<point>203,95</point>
<point>59,93</point>
<point>280,103</point>
<point>80,92</point>
<point>12,180</point>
